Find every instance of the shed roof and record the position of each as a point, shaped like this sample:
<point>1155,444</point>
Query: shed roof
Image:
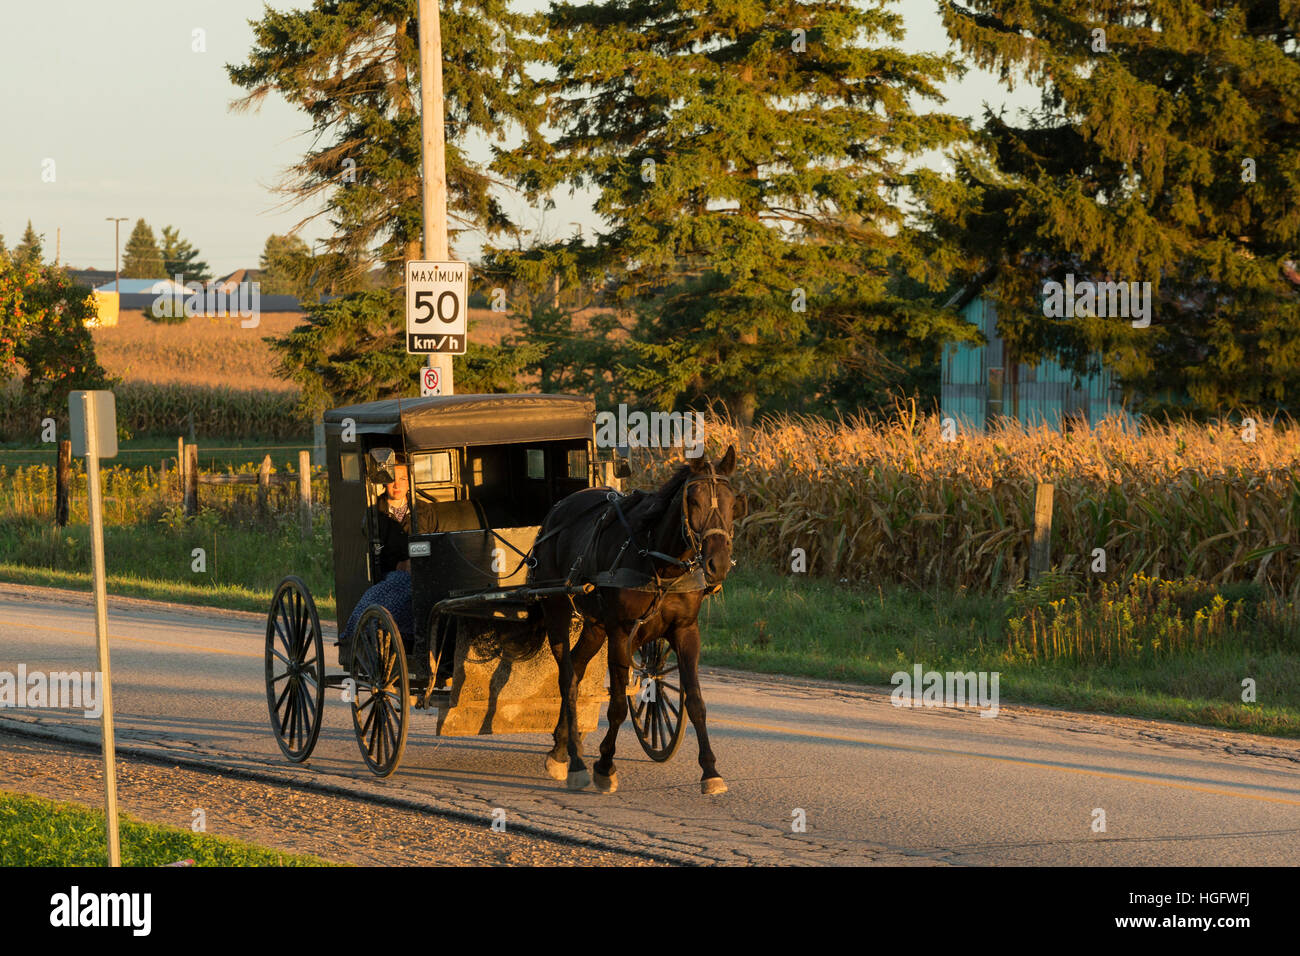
<point>443,421</point>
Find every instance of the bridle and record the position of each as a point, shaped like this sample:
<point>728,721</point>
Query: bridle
<point>689,534</point>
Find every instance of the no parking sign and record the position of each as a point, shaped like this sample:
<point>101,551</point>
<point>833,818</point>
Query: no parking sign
<point>430,383</point>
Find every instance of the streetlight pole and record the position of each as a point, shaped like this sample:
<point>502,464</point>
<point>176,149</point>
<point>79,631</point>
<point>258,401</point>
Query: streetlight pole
<point>434,154</point>
<point>117,251</point>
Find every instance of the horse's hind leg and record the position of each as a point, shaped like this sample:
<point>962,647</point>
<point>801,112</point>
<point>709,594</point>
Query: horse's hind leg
<point>619,662</point>
<point>587,646</point>
<point>687,645</point>
<point>558,618</point>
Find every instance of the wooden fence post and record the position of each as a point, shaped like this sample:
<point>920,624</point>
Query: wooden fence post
<point>180,458</point>
<point>191,481</point>
<point>162,478</point>
<point>1040,554</point>
<point>304,492</point>
<point>62,478</point>
<point>264,485</point>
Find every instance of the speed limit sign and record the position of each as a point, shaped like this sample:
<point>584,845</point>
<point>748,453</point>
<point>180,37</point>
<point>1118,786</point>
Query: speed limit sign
<point>437,299</point>
<point>429,382</point>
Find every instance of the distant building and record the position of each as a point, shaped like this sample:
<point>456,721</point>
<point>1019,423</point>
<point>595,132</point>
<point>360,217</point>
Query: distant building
<point>982,383</point>
<point>91,278</point>
<point>149,287</point>
<point>231,283</point>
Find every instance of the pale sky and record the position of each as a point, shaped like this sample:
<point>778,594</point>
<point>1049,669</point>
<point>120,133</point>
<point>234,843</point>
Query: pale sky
<point>137,124</point>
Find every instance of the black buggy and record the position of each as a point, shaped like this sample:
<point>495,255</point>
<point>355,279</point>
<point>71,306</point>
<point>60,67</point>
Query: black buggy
<point>484,471</point>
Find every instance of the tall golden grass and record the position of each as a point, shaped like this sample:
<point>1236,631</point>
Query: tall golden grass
<point>891,502</point>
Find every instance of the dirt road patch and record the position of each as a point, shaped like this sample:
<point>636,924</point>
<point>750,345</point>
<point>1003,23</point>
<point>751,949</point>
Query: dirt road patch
<point>336,828</point>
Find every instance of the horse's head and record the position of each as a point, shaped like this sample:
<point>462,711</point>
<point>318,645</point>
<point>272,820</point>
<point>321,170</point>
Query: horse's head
<point>710,507</point>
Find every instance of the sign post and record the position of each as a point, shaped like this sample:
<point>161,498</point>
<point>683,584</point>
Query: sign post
<point>93,417</point>
<point>434,152</point>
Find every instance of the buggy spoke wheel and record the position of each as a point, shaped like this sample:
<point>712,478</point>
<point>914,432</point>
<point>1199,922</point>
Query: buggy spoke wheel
<point>658,722</point>
<point>295,670</point>
<point>381,703</point>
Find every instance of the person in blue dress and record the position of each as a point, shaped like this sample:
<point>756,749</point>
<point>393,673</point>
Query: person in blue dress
<point>393,565</point>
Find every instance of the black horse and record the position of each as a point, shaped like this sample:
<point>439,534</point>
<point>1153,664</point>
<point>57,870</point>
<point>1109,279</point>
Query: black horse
<point>654,556</point>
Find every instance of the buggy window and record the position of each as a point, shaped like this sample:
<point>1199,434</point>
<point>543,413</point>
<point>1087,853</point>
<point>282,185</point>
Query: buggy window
<point>536,464</point>
<point>578,463</point>
<point>433,469</point>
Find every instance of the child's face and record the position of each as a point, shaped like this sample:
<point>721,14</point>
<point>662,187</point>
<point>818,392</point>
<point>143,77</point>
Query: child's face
<point>396,490</point>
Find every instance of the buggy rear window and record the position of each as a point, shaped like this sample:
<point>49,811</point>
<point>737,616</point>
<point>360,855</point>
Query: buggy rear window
<point>536,463</point>
<point>350,466</point>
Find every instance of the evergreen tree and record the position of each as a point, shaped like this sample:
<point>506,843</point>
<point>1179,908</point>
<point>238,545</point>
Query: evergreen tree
<point>1165,150</point>
<point>286,266</point>
<point>544,284</point>
<point>182,259</point>
<point>142,258</point>
<point>751,160</point>
<point>353,67</point>
<point>352,349</point>
<point>29,247</point>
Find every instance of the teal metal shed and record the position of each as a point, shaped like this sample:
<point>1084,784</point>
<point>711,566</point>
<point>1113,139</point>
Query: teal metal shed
<point>979,385</point>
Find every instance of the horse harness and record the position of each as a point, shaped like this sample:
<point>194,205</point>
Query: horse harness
<point>629,579</point>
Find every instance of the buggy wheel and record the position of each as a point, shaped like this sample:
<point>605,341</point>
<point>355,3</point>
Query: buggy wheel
<point>381,695</point>
<point>295,669</point>
<point>657,710</point>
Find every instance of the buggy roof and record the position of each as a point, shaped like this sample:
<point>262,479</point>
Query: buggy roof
<point>444,421</point>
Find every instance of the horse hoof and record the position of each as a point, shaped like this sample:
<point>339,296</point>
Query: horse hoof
<point>713,785</point>
<point>606,784</point>
<point>578,780</point>
<point>557,769</point>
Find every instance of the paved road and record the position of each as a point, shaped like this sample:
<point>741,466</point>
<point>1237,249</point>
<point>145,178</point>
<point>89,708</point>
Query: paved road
<point>877,784</point>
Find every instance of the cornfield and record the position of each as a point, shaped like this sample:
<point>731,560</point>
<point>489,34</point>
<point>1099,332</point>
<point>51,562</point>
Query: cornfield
<point>134,495</point>
<point>146,409</point>
<point>892,502</point>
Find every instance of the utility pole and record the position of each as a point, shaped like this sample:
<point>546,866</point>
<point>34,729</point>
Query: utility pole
<point>434,155</point>
<point>117,250</point>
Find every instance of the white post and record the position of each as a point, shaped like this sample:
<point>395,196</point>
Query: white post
<point>435,151</point>
<point>96,506</point>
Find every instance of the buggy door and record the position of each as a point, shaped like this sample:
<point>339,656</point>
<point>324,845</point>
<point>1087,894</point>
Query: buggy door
<point>348,522</point>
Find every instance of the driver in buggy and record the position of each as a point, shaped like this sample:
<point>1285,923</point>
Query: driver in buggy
<point>393,565</point>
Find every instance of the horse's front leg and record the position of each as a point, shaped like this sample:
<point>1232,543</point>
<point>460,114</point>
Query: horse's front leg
<point>686,640</point>
<point>564,762</point>
<point>620,659</point>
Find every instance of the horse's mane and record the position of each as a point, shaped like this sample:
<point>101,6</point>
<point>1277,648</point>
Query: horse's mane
<point>651,505</point>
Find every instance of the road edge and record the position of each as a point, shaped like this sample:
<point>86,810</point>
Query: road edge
<point>211,762</point>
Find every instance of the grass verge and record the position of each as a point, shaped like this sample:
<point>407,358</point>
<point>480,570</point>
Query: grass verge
<point>768,623</point>
<point>39,832</point>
